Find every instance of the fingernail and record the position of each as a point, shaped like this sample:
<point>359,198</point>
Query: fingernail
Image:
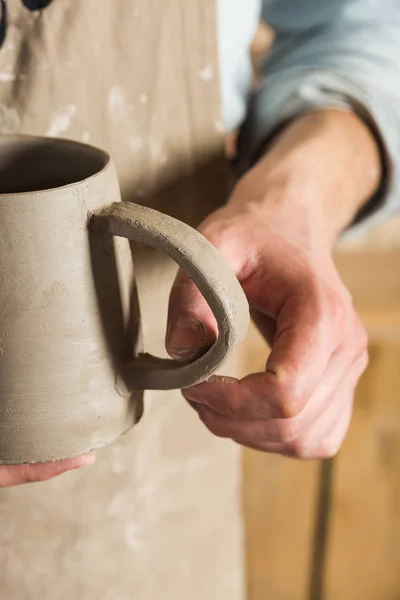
<point>185,338</point>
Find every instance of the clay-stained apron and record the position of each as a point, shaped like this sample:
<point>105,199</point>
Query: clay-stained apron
<point>157,517</point>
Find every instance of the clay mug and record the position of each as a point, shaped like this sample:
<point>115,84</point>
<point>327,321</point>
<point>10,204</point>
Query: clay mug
<point>70,367</point>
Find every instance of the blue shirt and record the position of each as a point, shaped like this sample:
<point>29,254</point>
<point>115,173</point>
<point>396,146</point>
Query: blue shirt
<point>326,53</point>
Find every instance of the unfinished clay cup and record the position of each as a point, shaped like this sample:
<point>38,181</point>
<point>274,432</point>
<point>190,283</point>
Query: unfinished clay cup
<point>70,367</point>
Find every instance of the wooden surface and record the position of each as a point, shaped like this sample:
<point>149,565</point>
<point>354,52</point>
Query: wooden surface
<point>364,523</point>
<point>280,500</point>
<point>331,530</point>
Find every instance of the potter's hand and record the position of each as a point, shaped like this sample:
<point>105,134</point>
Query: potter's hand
<point>17,474</point>
<point>277,233</point>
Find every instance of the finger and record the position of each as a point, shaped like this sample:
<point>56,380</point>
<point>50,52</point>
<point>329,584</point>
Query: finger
<point>278,394</point>
<point>320,407</point>
<point>300,355</point>
<point>324,436</point>
<point>327,448</point>
<point>331,444</point>
<point>29,473</point>
<point>316,420</point>
<point>191,327</point>
<point>311,322</point>
<point>302,347</point>
<point>271,430</point>
<point>257,396</point>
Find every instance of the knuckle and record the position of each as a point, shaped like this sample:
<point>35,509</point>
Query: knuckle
<point>329,447</point>
<point>299,448</point>
<point>339,307</point>
<point>290,400</point>
<point>331,306</point>
<point>339,310</point>
<point>287,431</point>
<point>326,311</point>
<point>39,475</point>
<point>304,448</point>
<point>27,474</point>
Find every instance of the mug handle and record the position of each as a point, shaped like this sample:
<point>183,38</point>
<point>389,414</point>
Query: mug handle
<point>210,273</point>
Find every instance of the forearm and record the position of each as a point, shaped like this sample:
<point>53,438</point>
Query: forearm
<point>318,171</point>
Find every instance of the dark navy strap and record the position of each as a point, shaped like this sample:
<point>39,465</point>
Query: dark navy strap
<point>32,5</point>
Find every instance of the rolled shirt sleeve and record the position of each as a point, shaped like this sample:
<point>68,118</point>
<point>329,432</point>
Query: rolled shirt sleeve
<point>332,54</point>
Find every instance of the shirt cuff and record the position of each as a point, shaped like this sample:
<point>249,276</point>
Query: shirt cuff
<point>276,103</point>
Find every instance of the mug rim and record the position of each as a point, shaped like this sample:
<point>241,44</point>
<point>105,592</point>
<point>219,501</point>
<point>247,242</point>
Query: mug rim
<point>61,142</point>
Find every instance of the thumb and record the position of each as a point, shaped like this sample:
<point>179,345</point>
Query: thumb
<point>191,328</point>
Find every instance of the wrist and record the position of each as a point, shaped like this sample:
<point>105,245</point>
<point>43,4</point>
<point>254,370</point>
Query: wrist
<point>318,172</point>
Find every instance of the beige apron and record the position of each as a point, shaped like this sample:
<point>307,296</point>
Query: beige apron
<point>157,517</point>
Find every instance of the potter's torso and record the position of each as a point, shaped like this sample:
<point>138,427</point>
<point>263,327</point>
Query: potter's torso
<point>137,78</point>
<point>128,77</point>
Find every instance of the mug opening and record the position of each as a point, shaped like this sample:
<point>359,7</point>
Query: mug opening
<point>32,164</point>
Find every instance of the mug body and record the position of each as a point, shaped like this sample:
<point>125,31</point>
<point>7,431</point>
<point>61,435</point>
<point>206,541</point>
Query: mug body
<point>68,309</point>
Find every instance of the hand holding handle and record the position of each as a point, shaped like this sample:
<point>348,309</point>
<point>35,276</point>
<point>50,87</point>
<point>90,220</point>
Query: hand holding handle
<point>210,273</point>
